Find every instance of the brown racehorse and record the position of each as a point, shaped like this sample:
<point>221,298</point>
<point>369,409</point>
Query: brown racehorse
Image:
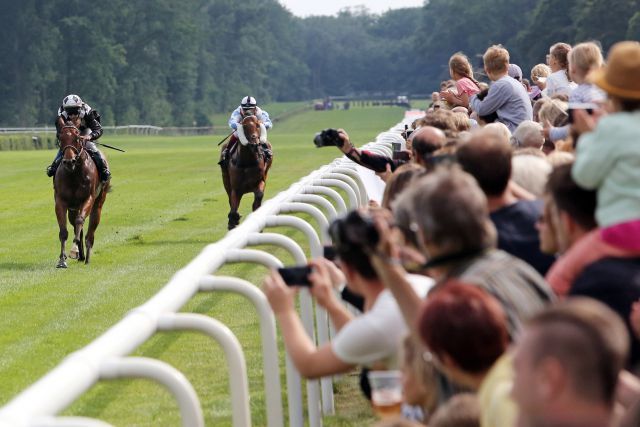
<point>78,191</point>
<point>246,171</point>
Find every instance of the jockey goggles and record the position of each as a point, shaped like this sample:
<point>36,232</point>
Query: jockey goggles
<point>72,111</point>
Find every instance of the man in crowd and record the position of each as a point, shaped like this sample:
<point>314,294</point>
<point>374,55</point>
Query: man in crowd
<point>567,364</point>
<point>487,157</point>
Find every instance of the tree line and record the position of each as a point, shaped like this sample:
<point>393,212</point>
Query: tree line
<point>173,63</point>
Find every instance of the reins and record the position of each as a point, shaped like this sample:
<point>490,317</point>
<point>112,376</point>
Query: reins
<point>78,152</point>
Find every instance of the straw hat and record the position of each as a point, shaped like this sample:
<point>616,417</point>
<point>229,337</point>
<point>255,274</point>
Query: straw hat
<point>621,76</point>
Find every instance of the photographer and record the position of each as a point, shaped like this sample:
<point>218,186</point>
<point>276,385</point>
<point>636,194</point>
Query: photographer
<point>421,144</point>
<point>372,339</point>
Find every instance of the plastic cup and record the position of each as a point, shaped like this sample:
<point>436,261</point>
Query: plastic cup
<point>386,392</point>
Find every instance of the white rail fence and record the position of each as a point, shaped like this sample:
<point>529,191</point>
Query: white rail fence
<point>107,356</point>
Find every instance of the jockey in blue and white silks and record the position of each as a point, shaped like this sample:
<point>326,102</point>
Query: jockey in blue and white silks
<point>248,107</point>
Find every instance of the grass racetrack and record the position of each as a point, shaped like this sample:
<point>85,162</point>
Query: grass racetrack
<point>168,202</point>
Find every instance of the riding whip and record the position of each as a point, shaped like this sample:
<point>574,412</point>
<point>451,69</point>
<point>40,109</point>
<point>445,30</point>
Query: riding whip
<point>225,138</point>
<point>108,146</point>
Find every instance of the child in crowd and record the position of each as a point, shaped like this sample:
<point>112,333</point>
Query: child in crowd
<point>462,72</point>
<point>583,59</point>
<point>558,82</point>
<point>539,74</point>
<point>608,160</point>
<point>506,97</point>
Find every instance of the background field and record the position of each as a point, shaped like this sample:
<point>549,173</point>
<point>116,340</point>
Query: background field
<point>168,203</point>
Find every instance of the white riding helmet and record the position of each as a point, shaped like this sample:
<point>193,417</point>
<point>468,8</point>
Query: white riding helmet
<point>71,101</point>
<point>248,102</point>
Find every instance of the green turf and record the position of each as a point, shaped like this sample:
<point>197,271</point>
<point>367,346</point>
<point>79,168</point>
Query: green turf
<point>168,203</point>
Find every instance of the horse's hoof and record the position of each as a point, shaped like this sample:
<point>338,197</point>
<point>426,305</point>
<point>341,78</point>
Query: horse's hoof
<point>61,264</point>
<point>74,253</point>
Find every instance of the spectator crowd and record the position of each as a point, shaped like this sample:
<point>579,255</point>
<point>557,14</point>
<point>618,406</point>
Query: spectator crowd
<point>501,271</point>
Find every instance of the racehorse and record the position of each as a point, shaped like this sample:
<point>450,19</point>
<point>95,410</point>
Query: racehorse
<point>246,171</point>
<point>78,192</point>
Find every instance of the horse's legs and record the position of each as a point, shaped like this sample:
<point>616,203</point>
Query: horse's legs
<point>80,217</point>
<point>74,252</point>
<point>234,203</point>
<point>81,246</point>
<point>258,195</point>
<point>94,221</point>
<point>63,234</point>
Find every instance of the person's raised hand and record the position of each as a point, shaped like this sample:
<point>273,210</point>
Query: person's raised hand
<point>279,295</point>
<point>447,96</point>
<point>322,281</point>
<point>387,251</point>
<point>386,174</point>
<point>346,142</point>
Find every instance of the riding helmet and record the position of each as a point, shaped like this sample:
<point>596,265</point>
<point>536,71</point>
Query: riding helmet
<point>71,101</point>
<point>248,102</point>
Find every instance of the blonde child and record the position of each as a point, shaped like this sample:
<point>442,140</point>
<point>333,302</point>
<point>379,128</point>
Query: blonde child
<point>583,58</point>
<point>539,74</point>
<point>462,72</point>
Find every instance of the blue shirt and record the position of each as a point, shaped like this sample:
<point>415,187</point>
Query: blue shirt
<point>236,117</point>
<point>509,99</point>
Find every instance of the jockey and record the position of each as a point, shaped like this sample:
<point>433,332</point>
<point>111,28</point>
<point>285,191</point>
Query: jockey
<point>248,107</point>
<point>90,129</point>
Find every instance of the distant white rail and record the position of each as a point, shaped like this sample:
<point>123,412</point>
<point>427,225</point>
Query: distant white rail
<point>106,357</point>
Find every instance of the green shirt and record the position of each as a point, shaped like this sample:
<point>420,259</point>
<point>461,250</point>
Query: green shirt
<point>608,160</point>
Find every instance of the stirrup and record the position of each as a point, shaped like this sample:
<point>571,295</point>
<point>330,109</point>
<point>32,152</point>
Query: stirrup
<point>51,171</point>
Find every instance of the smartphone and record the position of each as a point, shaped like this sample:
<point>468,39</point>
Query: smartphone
<point>296,276</point>
<point>586,106</point>
<point>329,252</point>
<point>401,155</point>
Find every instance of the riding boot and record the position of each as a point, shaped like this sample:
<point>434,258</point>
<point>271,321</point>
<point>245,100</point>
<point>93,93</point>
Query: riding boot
<point>223,158</point>
<point>101,164</point>
<point>51,170</point>
<point>226,153</point>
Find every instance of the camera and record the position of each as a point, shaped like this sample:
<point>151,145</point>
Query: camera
<point>355,232</point>
<point>328,138</point>
<point>329,252</point>
<point>296,276</point>
<point>401,155</point>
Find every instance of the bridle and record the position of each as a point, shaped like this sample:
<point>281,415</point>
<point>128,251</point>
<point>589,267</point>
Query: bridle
<point>76,141</point>
<point>242,137</point>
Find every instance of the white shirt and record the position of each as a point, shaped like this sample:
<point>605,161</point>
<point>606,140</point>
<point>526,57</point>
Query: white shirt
<point>377,335</point>
<point>559,84</point>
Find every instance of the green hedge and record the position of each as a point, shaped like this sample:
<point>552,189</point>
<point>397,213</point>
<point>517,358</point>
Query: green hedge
<point>27,142</point>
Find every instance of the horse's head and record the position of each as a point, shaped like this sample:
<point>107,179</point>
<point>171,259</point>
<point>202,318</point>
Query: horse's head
<point>251,132</point>
<point>70,145</point>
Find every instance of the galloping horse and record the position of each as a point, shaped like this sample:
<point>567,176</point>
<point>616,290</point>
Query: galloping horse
<point>78,191</point>
<point>246,171</point>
